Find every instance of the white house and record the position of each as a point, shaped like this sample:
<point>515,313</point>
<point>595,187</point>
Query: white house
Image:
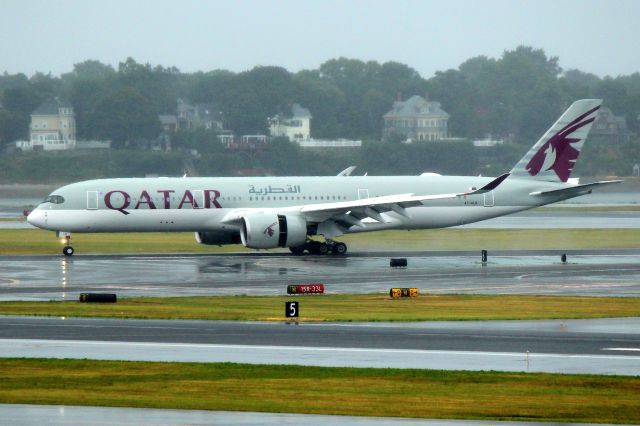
<point>296,127</point>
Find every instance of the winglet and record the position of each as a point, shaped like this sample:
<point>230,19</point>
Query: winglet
<point>490,186</point>
<point>347,171</point>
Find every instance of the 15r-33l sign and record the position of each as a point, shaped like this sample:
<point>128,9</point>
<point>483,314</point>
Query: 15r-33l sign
<point>291,309</point>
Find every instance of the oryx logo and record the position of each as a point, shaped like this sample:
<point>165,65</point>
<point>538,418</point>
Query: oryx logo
<point>558,153</point>
<point>269,229</point>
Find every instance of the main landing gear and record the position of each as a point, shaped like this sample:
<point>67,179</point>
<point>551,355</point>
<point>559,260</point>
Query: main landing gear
<point>319,247</point>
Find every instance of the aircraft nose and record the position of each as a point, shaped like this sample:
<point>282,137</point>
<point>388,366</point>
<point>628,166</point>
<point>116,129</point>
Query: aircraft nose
<point>37,218</point>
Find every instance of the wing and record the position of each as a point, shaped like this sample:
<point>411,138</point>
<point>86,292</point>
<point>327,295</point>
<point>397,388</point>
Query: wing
<point>351,213</point>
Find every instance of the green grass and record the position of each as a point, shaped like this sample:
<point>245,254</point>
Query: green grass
<point>370,307</point>
<point>36,241</point>
<point>315,390</point>
<point>30,241</point>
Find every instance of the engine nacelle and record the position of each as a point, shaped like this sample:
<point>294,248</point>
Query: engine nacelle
<point>218,238</point>
<point>266,230</point>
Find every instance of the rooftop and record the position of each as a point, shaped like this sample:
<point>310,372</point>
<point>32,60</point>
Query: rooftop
<point>51,106</point>
<point>416,105</point>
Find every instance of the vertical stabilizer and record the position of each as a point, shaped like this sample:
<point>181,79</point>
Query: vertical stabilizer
<point>553,157</point>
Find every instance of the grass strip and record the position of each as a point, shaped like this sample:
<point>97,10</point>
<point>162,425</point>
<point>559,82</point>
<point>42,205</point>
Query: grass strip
<point>36,241</point>
<point>317,390</point>
<point>367,307</point>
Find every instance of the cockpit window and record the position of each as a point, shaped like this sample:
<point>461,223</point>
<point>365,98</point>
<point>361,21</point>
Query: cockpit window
<point>54,199</point>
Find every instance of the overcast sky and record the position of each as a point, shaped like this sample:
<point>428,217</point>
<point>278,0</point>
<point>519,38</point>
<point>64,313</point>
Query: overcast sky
<point>602,37</point>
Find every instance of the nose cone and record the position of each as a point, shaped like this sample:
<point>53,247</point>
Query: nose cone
<point>37,218</point>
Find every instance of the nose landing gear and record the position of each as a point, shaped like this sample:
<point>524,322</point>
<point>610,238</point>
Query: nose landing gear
<point>67,250</point>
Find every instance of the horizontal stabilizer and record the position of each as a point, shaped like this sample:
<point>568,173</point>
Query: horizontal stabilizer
<point>574,191</point>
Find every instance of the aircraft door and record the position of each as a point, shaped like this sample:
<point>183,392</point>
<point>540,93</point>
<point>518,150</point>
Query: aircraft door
<point>92,200</point>
<point>198,197</point>
<point>363,193</point>
<point>489,200</point>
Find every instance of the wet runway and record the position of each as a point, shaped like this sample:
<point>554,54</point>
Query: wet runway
<point>608,346</point>
<point>37,415</point>
<point>587,272</point>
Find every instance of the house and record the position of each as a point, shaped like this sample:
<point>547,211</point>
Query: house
<point>416,119</point>
<point>168,122</point>
<point>609,128</point>
<point>53,127</point>
<point>296,126</point>
<point>205,115</point>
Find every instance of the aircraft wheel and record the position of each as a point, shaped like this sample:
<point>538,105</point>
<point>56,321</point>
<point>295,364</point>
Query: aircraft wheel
<point>323,248</point>
<point>67,251</point>
<point>339,249</point>
<point>297,251</point>
<point>313,247</point>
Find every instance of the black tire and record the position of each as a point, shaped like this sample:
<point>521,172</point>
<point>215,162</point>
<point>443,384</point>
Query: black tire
<point>313,247</point>
<point>339,248</point>
<point>68,251</point>
<point>323,248</point>
<point>297,251</point>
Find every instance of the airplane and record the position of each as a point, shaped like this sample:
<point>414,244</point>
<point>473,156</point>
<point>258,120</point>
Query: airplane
<point>273,212</point>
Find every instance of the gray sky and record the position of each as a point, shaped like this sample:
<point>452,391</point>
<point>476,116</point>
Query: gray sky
<point>602,37</point>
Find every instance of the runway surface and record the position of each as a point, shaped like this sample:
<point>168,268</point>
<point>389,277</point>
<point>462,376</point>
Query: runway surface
<point>596,346</point>
<point>37,415</point>
<point>609,346</point>
<point>587,272</point>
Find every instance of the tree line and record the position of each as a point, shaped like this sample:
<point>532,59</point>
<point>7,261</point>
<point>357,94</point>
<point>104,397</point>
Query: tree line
<point>515,96</point>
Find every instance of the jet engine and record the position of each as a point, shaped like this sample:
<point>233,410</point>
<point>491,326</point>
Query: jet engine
<point>266,230</point>
<point>218,238</point>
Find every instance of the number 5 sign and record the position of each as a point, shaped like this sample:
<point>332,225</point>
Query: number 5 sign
<point>291,309</point>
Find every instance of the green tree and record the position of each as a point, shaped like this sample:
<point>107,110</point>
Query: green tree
<point>324,99</point>
<point>85,86</point>
<point>124,116</point>
<point>17,105</point>
<point>157,84</point>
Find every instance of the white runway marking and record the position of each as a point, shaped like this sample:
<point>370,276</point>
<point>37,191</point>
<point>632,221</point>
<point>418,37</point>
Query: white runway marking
<point>622,349</point>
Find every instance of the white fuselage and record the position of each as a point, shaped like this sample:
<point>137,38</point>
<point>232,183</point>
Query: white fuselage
<point>202,204</point>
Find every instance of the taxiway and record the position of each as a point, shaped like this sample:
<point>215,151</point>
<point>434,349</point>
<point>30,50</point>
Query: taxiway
<point>608,346</point>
